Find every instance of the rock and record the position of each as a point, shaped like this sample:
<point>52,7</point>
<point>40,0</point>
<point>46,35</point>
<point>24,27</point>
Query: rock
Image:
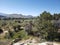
<point>50,43</point>
<point>16,44</point>
<point>33,42</point>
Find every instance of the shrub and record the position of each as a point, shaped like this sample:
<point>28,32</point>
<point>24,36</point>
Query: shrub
<point>21,34</point>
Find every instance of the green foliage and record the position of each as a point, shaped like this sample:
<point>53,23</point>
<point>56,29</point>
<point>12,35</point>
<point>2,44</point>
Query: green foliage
<point>56,16</point>
<point>46,16</point>
<point>11,34</point>
<point>21,34</point>
<point>42,25</point>
<point>45,26</point>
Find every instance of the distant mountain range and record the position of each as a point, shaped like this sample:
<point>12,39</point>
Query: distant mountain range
<point>2,15</point>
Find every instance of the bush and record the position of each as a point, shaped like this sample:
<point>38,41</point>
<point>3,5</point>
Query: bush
<point>21,34</point>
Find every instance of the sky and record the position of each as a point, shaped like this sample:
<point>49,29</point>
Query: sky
<point>29,7</point>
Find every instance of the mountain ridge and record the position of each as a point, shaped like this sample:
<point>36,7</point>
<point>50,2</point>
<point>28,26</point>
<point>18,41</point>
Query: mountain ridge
<point>15,16</point>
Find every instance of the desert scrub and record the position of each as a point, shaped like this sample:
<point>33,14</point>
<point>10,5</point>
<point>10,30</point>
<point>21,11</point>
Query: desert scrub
<point>21,34</point>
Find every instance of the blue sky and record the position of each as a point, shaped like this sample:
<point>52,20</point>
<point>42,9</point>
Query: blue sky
<point>29,7</point>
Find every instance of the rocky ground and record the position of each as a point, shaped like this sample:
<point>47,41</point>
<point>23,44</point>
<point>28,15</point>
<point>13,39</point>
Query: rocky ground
<point>4,42</point>
<point>34,42</point>
<point>29,42</point>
